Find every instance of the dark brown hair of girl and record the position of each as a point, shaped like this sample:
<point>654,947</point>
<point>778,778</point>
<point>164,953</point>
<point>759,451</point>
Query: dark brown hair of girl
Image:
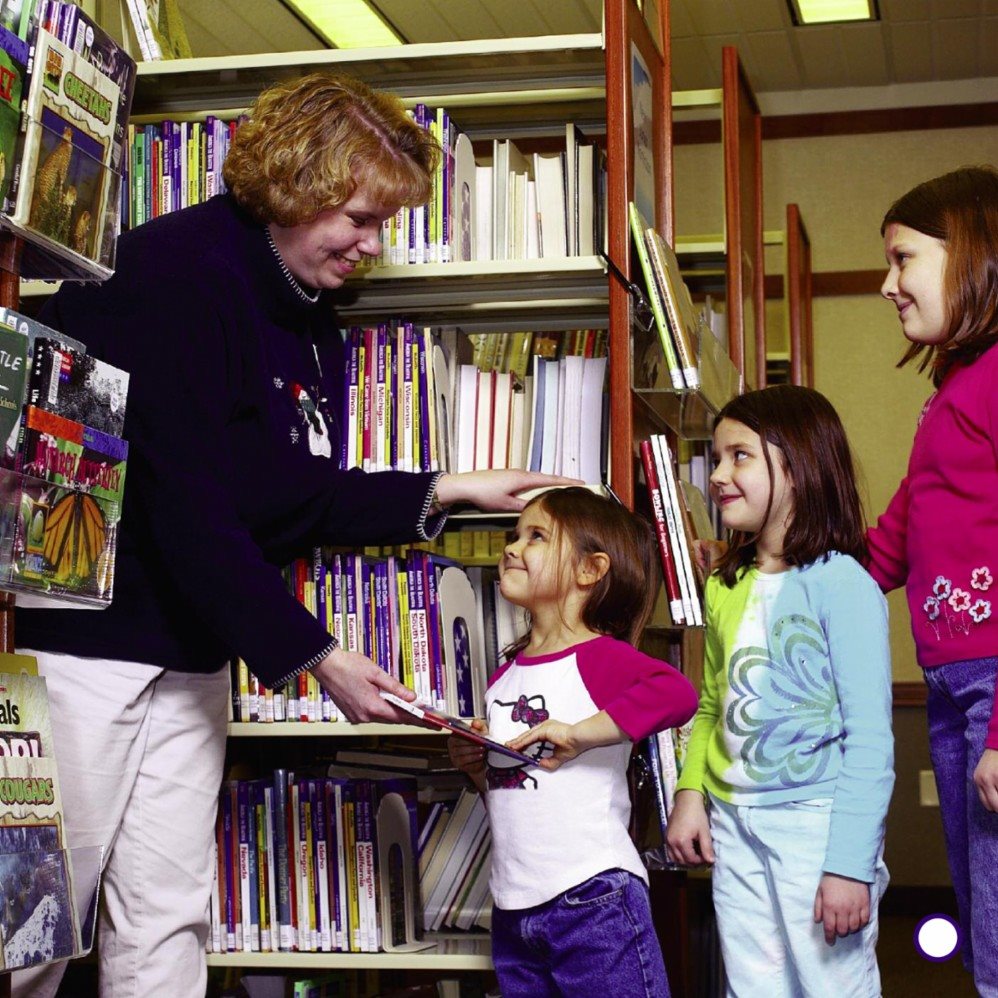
<point>961,209</point>
<point>827,514</point>
<point>621,602</point>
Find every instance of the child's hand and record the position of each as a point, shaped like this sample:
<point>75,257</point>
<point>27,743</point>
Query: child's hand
<point>688,840</point>
<point>564,737</point>
<point>842,904</point>
<point>469,757</point>
<point>570,740</point>
<point>986,778</point>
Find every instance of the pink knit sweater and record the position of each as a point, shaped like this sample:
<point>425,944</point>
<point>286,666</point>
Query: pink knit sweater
<point>939,535</point>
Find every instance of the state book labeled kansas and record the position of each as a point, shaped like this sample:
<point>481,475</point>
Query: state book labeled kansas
<point>65,180</point>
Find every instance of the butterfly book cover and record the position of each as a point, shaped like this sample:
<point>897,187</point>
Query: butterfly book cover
<point>62,543</point>
<point>78,386</point>
<point>65,183</point>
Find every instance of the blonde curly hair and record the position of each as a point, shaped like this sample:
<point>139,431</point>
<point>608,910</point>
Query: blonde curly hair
<point>310,143</point>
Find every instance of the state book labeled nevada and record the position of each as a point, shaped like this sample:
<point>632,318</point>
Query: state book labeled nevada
<point>65,179</point>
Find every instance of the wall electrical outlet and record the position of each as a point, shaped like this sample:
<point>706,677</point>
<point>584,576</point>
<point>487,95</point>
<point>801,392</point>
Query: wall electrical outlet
<point>928,795</point>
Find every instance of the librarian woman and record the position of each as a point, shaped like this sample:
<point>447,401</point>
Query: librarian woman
<point>222,313</point>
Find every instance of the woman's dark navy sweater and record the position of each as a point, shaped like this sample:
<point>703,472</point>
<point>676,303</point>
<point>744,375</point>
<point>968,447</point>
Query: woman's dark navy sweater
<point>222,488</point>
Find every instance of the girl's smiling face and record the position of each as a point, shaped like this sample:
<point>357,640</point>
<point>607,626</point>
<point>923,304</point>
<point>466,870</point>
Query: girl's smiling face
<point>741,488</point>
<point>535,568</point>
<point>914,283</point>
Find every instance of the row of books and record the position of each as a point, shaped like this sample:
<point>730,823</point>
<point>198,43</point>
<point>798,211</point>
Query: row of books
<point>62,413</point>
<point>514,207</point>
<point>680,324</point>
<point>515,351</point>
<point>63,124</point>
<point>172,165</point>
<point>410,405</point>
<point>680,517</point>
<point>303,864</point>
<point>433,624</point>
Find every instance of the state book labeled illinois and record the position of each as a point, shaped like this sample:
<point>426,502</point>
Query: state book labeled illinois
<point>65,177</point>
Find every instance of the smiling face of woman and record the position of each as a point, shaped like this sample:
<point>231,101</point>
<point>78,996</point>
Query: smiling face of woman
<point>323,252</point>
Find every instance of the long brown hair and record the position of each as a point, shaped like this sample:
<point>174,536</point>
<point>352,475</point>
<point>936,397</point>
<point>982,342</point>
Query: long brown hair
<point>961,209</point>
<point>827,514</point>
<point>621,602</point>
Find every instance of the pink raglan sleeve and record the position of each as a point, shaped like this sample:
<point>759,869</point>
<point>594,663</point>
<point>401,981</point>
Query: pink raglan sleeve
<point>888,543</point>
<point>642,694</point>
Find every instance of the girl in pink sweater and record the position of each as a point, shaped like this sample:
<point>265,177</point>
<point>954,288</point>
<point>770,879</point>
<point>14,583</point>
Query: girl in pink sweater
<point>939,535</point>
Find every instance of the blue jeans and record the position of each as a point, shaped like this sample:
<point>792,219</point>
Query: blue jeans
<point>960,701</point>
<point>596,938</point>
<point>767,868</point>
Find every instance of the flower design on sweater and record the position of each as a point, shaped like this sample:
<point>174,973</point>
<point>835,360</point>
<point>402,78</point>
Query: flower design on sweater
<point>950,610</point>
<point>784,706</point>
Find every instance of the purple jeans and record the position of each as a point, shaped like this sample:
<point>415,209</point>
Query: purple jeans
<point>960,701</point>
<point>595,939</point>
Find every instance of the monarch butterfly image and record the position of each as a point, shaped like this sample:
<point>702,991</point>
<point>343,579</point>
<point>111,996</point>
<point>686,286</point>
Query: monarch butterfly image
<point>75,532</point>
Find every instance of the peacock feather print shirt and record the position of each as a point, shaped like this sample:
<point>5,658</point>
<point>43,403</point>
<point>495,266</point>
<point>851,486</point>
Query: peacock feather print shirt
<point>796,701</point>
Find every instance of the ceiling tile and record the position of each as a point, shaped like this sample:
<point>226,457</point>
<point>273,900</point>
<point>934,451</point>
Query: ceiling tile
<point>692,67</point>
<point>680,21</point>
<point>712,17</point>
<point>761,15</point>
<point>905,10</point>
<point>942,9</point>
<point>769,57</point>
<point>954,49</point>
<point>821,56</point>
<point>910,51</point>
<point>416,22</point>
<point>865,55</point>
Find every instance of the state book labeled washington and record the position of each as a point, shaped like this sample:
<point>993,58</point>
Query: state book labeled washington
<point>65,178</point>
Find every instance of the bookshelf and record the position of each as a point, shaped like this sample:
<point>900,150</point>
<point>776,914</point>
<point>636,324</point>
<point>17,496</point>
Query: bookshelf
<point>798,299</point>
<point>734,262</point>
<point>526,89</point>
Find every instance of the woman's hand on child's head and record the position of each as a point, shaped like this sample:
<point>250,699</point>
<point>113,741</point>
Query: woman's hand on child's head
<point>563,737</point>
<point>842,904</point>
<point>986,779</point>
<point>688,838</point>
<point>467,756</point>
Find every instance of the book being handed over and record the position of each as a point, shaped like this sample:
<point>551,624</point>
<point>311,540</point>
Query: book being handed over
<point>456,726</point>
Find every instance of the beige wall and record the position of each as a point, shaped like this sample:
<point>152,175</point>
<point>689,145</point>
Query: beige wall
<point>843,185</point>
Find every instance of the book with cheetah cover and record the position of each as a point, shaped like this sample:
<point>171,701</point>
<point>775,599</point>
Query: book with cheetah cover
<point>65,182</point>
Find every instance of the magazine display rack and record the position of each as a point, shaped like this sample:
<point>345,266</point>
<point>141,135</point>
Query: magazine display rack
<point>61,889</point>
